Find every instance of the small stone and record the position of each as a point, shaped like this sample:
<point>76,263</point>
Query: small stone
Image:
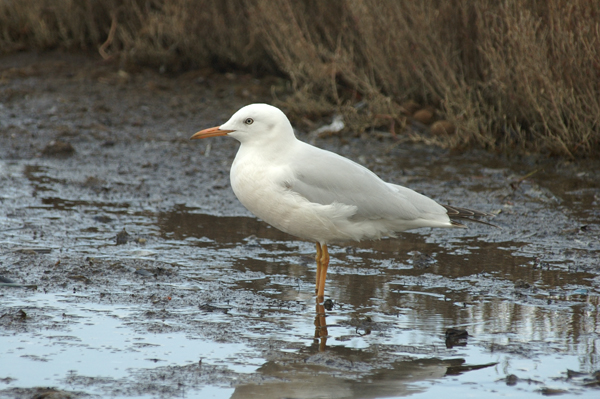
<point>443,128</point>
<point>122,237</point>
<point>522,284</point>
<point>410,107</point>
<point>456,333</point>
<point>58,148</point>
<point>511,380</point>
<point>425,116</point>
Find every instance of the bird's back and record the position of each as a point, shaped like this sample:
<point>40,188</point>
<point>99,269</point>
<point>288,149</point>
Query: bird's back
<point>319,195</point>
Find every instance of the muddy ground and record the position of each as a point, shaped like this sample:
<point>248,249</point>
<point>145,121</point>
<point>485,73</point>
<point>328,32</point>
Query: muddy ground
<point>129,269</point>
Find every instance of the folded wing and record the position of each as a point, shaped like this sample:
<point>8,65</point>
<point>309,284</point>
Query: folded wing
<point>324,177</point>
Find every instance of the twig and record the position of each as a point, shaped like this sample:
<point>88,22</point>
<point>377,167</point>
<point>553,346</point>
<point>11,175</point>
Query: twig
<point>110,38</point>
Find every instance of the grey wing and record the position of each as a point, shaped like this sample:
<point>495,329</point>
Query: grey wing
<point>324,177</point>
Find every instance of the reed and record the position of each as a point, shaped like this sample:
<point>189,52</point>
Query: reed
<point>517,75</point>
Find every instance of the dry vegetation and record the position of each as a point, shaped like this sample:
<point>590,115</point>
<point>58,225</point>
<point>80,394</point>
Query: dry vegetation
<point>510,75</point>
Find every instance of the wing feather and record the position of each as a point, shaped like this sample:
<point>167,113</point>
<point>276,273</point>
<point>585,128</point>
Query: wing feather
<point>324,177</point>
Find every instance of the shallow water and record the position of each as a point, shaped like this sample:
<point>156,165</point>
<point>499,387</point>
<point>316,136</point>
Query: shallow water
<point>204,300</point>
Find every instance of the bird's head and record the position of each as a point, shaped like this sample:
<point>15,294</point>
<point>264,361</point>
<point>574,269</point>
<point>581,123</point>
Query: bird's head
<point>252,123</point>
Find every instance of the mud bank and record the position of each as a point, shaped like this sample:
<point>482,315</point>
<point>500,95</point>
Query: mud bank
<point>129,268</point>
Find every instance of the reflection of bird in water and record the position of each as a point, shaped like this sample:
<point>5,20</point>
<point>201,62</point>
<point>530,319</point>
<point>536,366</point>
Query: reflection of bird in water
<point>318,195</point>
<point>347,373</point>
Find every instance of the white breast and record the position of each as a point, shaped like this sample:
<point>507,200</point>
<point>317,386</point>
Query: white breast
<point>264,190</point>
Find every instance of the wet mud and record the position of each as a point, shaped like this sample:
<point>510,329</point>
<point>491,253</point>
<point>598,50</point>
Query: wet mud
<point>129,269</point>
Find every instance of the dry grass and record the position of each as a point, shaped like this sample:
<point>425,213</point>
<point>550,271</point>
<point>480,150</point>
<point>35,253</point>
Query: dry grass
<point>514,75</point>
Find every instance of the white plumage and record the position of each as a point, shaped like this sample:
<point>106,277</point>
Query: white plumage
<point>315,194</point>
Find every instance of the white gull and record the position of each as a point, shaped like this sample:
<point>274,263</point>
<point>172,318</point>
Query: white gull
<point>316,194</point>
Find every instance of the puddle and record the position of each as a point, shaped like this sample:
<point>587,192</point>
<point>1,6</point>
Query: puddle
<point>239,302</point>
<point>79,339</point>
<point>200,299</point>
<point>79,331</point>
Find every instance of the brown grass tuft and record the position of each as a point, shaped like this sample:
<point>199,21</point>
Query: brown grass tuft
<point>512,75</point>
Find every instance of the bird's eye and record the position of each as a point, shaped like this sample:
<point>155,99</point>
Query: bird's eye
<point>249,121</point>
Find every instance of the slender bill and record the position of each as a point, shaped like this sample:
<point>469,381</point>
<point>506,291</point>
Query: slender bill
<point>212,132</point>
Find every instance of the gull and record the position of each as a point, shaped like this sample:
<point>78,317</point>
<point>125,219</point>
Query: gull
<point>318,195</point>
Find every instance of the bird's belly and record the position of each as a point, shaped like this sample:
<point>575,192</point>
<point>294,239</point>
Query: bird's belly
<point>275,204</point>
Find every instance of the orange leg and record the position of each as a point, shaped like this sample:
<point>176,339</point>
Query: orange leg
<point>318,259</point>
<point>322,273</point>
<point>322,259</point>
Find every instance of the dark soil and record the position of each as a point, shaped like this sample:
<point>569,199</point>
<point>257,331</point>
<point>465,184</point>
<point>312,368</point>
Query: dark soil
<point>130,269</point>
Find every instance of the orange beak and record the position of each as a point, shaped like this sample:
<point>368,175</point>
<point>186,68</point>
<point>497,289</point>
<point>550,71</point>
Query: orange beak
<point>212,132</point>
